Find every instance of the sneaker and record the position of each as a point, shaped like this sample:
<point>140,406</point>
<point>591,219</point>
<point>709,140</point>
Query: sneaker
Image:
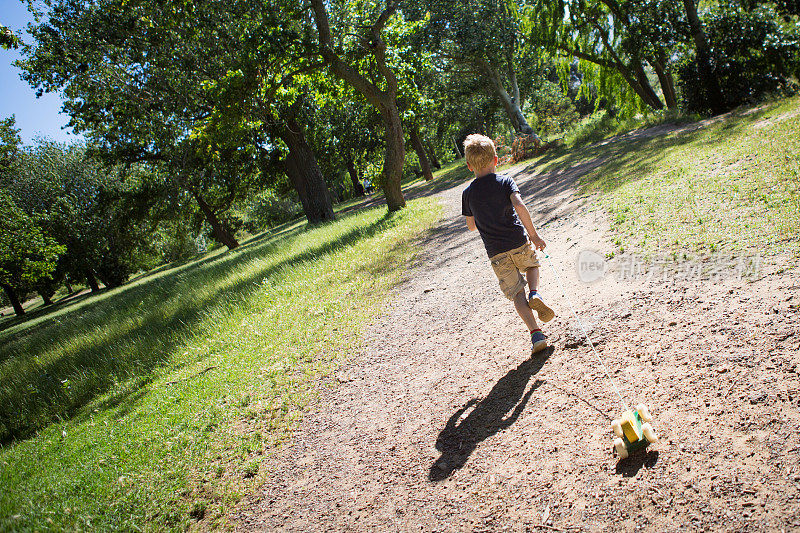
<point>536,303</point>
<point>538,341</point>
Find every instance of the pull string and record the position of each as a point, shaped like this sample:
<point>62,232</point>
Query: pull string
<point>586,334</point>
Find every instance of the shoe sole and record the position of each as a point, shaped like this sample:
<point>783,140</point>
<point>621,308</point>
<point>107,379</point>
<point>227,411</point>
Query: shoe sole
<point>545,313</point>
<point>538,346</point>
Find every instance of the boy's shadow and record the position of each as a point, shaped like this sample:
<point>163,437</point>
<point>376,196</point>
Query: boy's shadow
<point>459,439</point>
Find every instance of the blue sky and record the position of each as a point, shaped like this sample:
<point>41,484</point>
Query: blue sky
<point>35,116</point>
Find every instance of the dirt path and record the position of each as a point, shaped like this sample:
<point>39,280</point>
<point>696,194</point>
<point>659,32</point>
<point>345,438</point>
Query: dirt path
<point>443,422</point>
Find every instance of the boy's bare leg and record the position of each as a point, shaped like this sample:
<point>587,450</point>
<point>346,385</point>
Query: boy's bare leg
<point>532,275</point>
<point>525,312</point>
<point>536,303</point>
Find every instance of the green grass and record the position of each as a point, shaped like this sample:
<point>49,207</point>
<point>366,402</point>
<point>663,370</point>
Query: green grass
<point>731,185</point>
<point>601,125</point>
<point>150,406</point>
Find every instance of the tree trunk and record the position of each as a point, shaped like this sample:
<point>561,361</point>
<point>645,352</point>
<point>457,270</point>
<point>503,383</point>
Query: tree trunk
<point>712,94</point>
<point>358,189</point>
<point>302,168</point>
<point>432,156</point>
<point>650,96</point>
<point>218,229</point>
<point>667,84</point>
<point>90,279</point>
<point>510,105</point>
<point>459,148</point>
<point>12,297</point>
<point>46,298</point>
<point>416,143</point>
<point>394,158</point>
<point>384,99</point>
<point>634,80</point>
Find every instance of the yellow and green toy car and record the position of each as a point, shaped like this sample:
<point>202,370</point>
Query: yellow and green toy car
<point>633,431</point>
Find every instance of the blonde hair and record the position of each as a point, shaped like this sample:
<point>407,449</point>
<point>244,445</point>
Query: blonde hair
<point>479,151</point>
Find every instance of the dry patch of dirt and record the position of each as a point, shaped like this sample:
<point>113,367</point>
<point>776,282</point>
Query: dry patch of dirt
<point>444,421</point>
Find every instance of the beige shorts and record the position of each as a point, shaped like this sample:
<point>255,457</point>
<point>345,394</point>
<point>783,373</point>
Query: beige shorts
<point>507,267</point>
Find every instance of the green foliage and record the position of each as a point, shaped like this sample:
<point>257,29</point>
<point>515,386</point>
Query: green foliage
<point>554,112</point>
<point>174,242</point>
<point>473,31</point>
<point>754,53</point>
<point>186,63</point>
<point>483,41</point>
<point>267,210</point>
<point>9,144</point>
<point>86,207</point>
<point>7,38</point>
<point>27,255</point>
<point>612,39</point>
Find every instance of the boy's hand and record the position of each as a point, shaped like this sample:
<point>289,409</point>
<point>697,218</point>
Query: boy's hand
<point>537,242</point>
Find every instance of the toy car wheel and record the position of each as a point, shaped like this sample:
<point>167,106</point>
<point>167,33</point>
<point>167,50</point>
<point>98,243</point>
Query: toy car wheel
<point>619,447</point>
<point>616,427</point>
<point>644,412</point>
<point>649,434</point>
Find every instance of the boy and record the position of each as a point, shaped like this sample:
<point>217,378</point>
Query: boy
<point>493,206</point>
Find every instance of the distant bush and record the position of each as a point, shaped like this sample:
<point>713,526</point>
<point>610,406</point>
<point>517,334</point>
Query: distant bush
<point>174,242</point>
<point>268,209</point>
<point>755,53</point>
<point>592,129</point>
<point>553,111</point>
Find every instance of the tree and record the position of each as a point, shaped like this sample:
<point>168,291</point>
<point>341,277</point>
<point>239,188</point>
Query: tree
<point>712,94</point>
<point>618,37</point>
<point>654,28</point>
<point>416,79</point>
<point>753,52</point>
<point>102,218</point>
<point>346,131</point>
<point>7,38</point>
<point>168,84</point>
<point>271,96</point>
<point>10,143</point>
<point>27,255</point>
<point>483,39</point>
<point>362,62</point>
<point>301,164</point>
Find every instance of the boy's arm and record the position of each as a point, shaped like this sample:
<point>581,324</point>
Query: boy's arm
<point>471,223</point>
<point>525,217</point>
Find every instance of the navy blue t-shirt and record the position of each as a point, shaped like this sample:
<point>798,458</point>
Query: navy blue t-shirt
<point>488,199</point>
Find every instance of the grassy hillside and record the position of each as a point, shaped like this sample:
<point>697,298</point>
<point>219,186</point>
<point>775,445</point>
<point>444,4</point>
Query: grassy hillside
<point>149,407</point>
<point>726,184</point>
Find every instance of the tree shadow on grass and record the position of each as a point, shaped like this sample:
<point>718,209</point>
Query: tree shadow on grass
<point>33,314</point>
<point>613,162</point>
<point>142,339</point>
<point>496,412</point>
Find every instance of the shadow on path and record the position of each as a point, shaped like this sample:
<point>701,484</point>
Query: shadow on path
<point>460,437</point>
<point>631,465</point>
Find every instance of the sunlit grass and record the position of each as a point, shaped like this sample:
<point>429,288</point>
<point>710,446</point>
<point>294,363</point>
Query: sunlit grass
<point>149,408</point>
<point>731,185</point>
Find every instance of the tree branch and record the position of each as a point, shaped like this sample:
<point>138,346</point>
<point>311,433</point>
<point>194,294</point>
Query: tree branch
<point>371,91</point>
<point>616,10</point>
<point>587,57</point>
<point>607,44</point>
<point>379,46</point>
<point>383,18</point>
